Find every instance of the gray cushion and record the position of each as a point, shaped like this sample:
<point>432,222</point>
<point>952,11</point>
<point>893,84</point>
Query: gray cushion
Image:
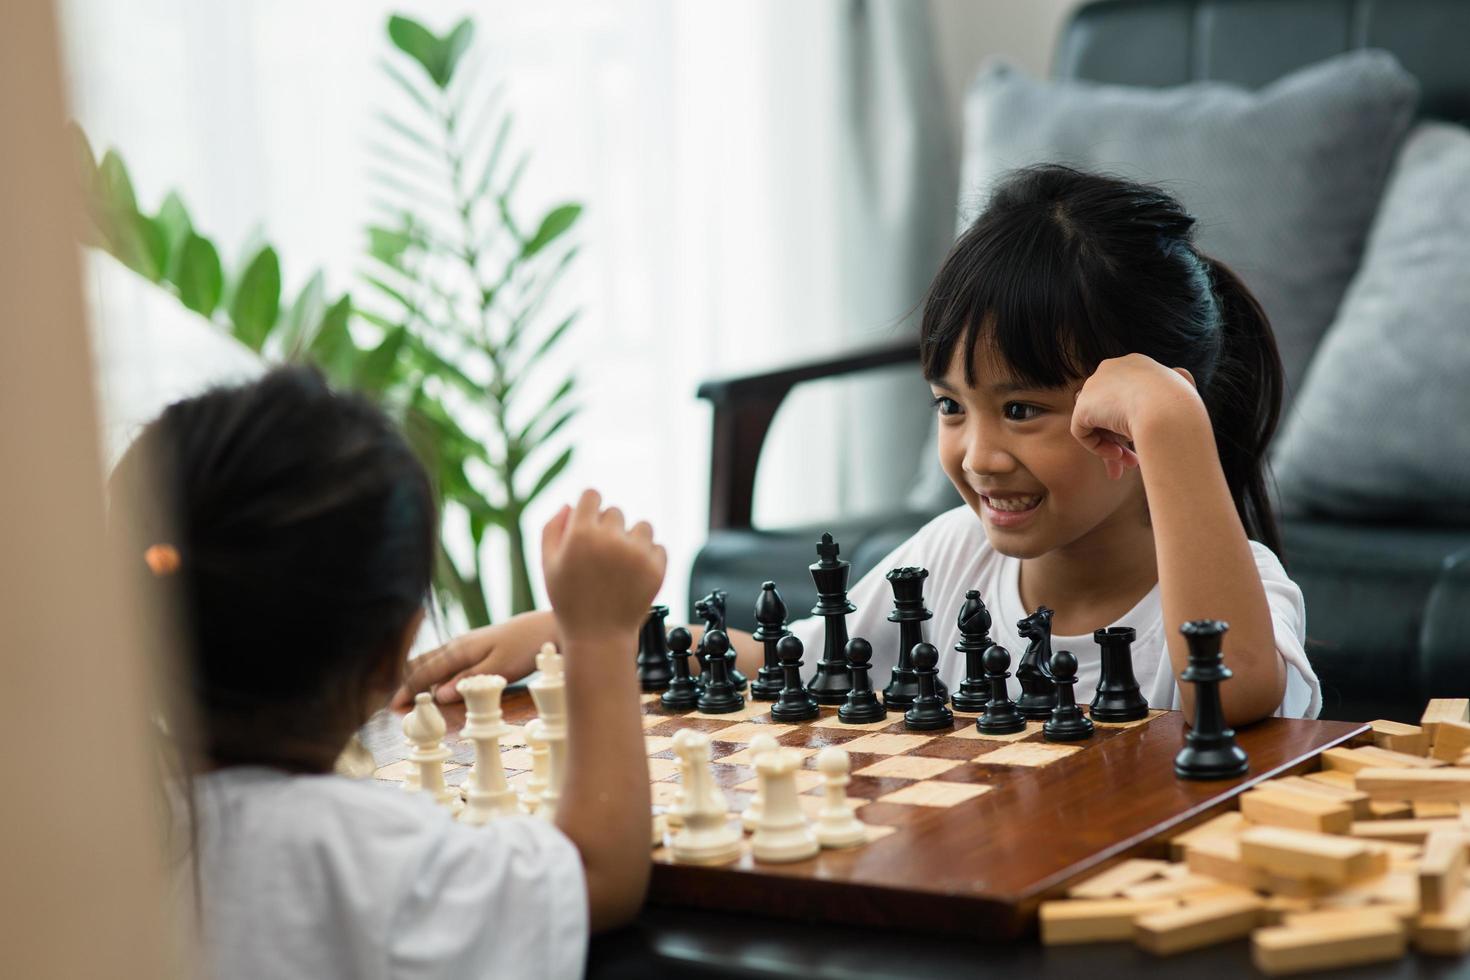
<point>1284,180</point>
<point>1382,426</point>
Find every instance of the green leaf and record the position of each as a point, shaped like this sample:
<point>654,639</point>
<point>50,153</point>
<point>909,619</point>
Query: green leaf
<point>409,87</point>
<point>425,143</point>
<point>532,440</point>
<point>408,305</point>
<point>387,245</point>
<point>551,473</point>
<point>85,159</point>
<point>493,160</point>
<point>331,347</point>
<point>435,55</point>
<point>549,405</point>
<point>257,299</point>
<point>303,317</point>
<point>173,219</point>
<point>381,363</point>
<point>557,221</point>
<point>550,341</point>
<point>436,365</point>
<point>454,47</point>
<point>198,274</point>
<point>135,240</point>
<point>115,186</point>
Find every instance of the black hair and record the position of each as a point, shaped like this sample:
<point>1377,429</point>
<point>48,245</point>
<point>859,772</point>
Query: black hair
<point>1064,269</point>
<point>305,529</point>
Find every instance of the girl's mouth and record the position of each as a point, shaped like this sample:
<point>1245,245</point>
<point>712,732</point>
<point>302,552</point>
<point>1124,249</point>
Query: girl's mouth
<point>1010,510</point>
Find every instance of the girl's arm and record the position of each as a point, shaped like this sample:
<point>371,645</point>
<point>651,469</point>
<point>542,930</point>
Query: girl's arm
<point>1206,567</point>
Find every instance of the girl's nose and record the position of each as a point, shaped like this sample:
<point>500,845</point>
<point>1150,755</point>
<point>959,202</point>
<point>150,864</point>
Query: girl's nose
<point>985,457</point>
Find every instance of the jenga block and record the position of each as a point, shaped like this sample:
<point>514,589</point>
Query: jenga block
<point>1396,892</point>
<point>1228,824</point>
<point>1390,809</point>
<point>1451,740</point>
<point>1308,889</point>
<point>1177,888</point>
<point>1332,918</point>
<point>1091,920</point>
<point>1323,944</point>
<point>1278,907</point>
<point>1198,925</point>
<point>1120,876</point>
<point>1445,932</point>
<point>1444,709</point>
<point>1398,737</point>
<point>1302,854</point>
<point>1278,806</point>
<point>1436,810</point>
<point>1357,800</point>
<point>1332,777</point>
<point>1395,760</point>
<point>1463,760</point>
<point>1219,857</point>
<point>1410,831</point>
<point>1415,785</point>
<point>1441,871</point>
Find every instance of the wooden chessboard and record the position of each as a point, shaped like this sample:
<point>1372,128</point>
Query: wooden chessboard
<point>970,832</point>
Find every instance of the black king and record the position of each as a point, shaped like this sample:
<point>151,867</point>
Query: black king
<point>833,678</point>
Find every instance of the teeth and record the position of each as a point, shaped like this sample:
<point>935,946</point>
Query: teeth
<point>1014,503</point>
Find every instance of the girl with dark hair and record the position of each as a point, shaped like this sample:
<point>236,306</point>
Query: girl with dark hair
<point>1105,397</point>
<point>293,533</point>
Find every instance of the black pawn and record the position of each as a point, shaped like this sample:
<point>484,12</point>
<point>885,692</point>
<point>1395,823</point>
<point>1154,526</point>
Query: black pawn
<point>1209,749</point>
<point>683,693</point>
<point>719,697</point>
<point>1118,697</point>
<point>1001,716</point>
<point>862,706</point>
<point>770,618</point>
<point>794,704</point>
<point>654,669</point>
<point>1033,672</point>
<point>1067,723</point>
<point>928,711</point>
<point>974,690</point>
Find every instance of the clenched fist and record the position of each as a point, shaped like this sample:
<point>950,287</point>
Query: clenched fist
<point>601,576</point>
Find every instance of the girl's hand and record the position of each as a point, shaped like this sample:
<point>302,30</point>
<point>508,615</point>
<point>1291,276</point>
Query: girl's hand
<point>1113,401</point>
<point>601,576</point>
<point>507,648</point>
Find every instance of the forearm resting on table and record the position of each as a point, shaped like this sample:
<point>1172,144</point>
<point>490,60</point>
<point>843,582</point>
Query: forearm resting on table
<point>1205,564</point>
<point>604,806</point>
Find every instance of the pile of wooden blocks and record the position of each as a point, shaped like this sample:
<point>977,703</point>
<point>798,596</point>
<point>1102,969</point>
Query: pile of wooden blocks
<point>1328,869</point>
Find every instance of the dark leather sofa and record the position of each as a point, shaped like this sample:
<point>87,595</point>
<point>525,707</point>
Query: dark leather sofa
<point>1388,606</point>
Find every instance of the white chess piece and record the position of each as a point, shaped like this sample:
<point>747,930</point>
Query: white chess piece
<point>424,727</point>
<point>535,732</point>
<point>836,824</point>
<point>489,795</point>
<point>761,744</point>
<point>783,833</point>
<point>549,691</point>
<point>707,835</point>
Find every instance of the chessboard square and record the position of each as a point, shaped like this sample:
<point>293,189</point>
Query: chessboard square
<point>665,794</point>
<point>751,709</point>
<point>832,721</point>
<point>908,766</point>
<point>805,780</point>
<point>1153,713</point>
<point>395,771</point>
<point>650,696</point>
<point>660,769</point>
<point>744,731</point>
<point>970,731</point>
<point>649,721</point>
<point>1027,754</point>
<point>744,758</point>
<point>935,794</point>
<point>883,743</point>
<point>654,744</point>
<point>515,759</point>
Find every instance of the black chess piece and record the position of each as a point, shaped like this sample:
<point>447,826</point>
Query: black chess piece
<point>794,704</point>
<point>770,618</point>
<point>928,711</point>
<point>1001,716</point>
<point>862,706</point>
<point>910,615</point>
<point>974,621</point>
<point>833,679</point>
<point>654,669</point>
<point>1210,751</point>
<point>719,696</point>
<point>1038,693</point>
<point>683,693</point>
<point>1118,697</point>
<point>1067,723</point>
<point>711,609</point>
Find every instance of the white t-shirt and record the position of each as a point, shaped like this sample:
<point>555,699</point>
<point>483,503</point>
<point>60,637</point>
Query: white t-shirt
<point>955,550</point>
<point>315,877</point>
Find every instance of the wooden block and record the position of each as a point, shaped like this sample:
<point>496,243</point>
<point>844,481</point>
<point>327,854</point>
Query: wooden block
<point>1395,760</point>
<point>1415,785</point>
<point>1436,810</point>
<point>1441,872</point>
<point>1180,887</point>
<point>1444,709</point>
<point>1396,892</point>
<point>1357,800</point>
<point>1092,920</point>
<point>1451,740</point>
<point>1302,854</point>
<point>1398,850</point>
<point>1306,889</point>
<point>1279,806</point>
<point>1390,809</point>
<point>1194,926</point>
<point>1219,857</point>
<point>1343,760</point>
<point>1409,831</point>
<point>1445,932</point>
<point>1332,777</point>
<point>1321,944</point>
<point>1278,907</point>
<point>1398,737</point>
<point>1228,824</point>
<point>1111,882</point>
<point>1463,760</point>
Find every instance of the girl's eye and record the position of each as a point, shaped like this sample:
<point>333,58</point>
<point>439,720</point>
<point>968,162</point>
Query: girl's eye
<point>947,406</point>
<point>1019,411</point>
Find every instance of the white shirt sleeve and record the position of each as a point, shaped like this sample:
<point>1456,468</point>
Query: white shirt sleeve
<point>1303,698</point>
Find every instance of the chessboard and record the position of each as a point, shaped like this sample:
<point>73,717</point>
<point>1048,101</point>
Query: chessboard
<point>969,833</point>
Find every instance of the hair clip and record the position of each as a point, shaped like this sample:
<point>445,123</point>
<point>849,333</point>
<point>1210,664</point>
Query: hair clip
<point>162,559</point>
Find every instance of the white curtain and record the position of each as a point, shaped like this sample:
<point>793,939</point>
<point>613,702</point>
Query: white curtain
<point>758,179</point>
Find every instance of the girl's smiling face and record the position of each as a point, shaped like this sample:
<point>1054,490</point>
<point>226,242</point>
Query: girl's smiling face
<point>1009,450</point>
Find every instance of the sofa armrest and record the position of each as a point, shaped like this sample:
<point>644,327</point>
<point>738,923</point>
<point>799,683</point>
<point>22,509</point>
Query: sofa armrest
<point>1444,638</point>
<point>744,407</point>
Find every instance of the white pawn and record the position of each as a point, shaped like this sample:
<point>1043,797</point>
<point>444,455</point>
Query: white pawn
<point>836,824</point>
<point>424,727</point>
<point>760,745</point>
<point>489,794</point>
<point>540,760</point>
<point>707,836</point>
<point>549,691</point>
<point>783,833</point>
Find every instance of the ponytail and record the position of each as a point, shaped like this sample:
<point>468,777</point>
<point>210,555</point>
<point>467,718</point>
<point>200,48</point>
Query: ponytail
<point>1244,400</point>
